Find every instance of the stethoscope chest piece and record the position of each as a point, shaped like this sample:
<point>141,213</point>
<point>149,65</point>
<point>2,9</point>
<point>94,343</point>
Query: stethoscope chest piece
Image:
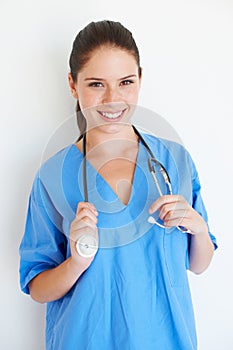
<point>87,246</point>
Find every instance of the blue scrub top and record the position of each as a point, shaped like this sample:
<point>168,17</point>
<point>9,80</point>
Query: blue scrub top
<point>135,295</point>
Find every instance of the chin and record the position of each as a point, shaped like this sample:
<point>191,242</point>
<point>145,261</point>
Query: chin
<point>113,128</point>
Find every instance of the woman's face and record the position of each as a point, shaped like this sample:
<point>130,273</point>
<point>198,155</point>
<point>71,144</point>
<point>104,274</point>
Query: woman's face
<point>107,87</point>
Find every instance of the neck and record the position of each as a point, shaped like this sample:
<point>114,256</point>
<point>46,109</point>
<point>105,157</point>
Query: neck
<point>111,142</point>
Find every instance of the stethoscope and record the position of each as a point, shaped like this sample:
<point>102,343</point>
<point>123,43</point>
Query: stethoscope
<point>87,245</point>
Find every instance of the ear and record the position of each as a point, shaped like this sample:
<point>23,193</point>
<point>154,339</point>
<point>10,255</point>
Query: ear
<point>72,86</point>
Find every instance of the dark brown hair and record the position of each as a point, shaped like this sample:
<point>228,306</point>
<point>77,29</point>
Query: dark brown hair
<point>94,35</point>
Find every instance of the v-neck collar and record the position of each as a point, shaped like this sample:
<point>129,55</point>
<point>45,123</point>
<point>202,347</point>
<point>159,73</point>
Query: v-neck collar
<point>94,178</point>
<point>119,224</point>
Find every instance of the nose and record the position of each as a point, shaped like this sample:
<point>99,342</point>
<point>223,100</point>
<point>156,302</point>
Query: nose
<point>111,95</point>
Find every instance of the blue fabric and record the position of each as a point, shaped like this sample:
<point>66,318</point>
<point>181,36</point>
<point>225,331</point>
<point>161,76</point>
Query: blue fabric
<point>135,295</point>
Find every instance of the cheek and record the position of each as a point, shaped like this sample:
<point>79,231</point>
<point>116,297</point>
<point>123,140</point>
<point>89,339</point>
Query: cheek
<point>132,96</point>
<point>88,100</point>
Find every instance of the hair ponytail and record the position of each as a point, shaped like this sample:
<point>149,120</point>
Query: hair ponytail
<point>81,121</point>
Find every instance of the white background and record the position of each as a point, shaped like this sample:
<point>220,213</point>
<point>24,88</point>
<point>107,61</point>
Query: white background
<point>187,56</point>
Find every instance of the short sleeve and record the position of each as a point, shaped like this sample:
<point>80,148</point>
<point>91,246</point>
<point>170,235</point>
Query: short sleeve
<point>198,203</point>
<point>43,245</point>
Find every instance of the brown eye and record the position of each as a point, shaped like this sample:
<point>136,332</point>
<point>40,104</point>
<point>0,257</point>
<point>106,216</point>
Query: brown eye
<point>95,84</point>
<point>127,82</point>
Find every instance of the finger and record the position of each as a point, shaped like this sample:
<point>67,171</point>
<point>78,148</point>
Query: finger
<point>163,200</point>
<point>171,207</point>
<point>86,212</point>
<point>88,205</point>
<point>184,222</point>
<point>83,231</point>
<point>86,221</point>
<point>175,215</point>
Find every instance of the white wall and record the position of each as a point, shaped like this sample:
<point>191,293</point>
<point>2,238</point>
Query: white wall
<point>187,55</point>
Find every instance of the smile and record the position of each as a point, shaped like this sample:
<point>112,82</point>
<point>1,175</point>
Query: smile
<point>112,115</point>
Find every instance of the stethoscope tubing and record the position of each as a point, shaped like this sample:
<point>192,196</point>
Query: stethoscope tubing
<point>151,169</point>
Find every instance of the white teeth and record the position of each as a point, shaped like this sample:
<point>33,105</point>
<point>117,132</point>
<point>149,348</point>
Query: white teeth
<point>111,115</point>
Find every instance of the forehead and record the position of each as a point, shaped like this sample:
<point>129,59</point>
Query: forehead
<point>109,60</point>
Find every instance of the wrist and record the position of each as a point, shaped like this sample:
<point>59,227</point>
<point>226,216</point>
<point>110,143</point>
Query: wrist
<point>75,267</point>
<point>201,233</point>
<point>200,228</point>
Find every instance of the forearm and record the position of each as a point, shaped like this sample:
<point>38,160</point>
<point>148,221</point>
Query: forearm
<point>53,284</point>
<point>201,251</point>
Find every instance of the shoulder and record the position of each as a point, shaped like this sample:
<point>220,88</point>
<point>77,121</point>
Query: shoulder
<point>51,172</point>
<point>59,159</point>
<point>60,162</point>
<point>167,152</point>
<point>164,145</point>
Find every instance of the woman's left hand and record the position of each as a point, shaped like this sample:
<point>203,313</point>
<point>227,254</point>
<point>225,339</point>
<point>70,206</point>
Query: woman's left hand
<point>174,210</point>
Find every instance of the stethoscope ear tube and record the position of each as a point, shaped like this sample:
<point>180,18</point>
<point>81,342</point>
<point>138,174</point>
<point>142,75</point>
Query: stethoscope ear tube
<point>85,169</point>
<point>152,171</point>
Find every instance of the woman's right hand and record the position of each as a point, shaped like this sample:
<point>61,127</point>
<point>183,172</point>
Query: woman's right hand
<point>85,223</point>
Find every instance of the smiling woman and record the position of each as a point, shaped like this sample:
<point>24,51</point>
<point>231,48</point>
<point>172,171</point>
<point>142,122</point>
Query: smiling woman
<point>104,88</point>
<point>111,278</point>
<point>110,64</point>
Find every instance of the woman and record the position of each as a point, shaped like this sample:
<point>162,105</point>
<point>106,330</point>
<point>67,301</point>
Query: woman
<point>111,277</point>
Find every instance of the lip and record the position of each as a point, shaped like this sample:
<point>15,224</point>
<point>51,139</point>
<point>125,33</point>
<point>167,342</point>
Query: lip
<point>111,120</point>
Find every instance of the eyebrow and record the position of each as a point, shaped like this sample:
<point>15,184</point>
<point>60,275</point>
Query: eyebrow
<point>101,79</point>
